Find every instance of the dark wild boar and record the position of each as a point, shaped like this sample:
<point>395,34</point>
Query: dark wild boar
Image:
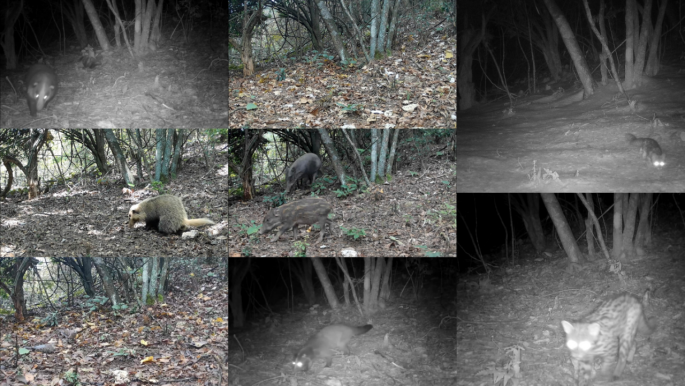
<point>306,211</point>
<point>306,166</point>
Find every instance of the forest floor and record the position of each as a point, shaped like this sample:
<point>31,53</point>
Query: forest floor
<point>184,341</point>
<point>113,236</point>
<point>158,94</point>
<point>414,88</point>
<point>509,324</point>
<point>571,145</point>
<point>396,219</point>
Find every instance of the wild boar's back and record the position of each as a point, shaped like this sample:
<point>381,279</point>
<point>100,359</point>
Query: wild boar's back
<point>307,166</point>
<point>307,211</point>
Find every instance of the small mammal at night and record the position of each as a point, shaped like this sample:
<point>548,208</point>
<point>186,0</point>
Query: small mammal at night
<point>165,213</point>
<point>649,149</point>
<point>41,87</point>
<point>335,336</point>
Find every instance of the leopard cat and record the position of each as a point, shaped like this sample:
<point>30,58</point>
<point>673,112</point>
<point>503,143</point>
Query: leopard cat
<point>608,334</point>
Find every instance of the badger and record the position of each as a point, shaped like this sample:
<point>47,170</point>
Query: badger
<point>41,87</point>
<point>335,336</point>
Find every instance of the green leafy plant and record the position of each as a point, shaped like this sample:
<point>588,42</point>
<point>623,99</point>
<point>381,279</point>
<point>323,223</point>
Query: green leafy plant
<point>350,62</point>
<point>249,230</point>
<point>300,249</point>
<point>318,187</point>
<point>276,200</point>
<point>51,320</point>
<point>119,307</point>
<point>324,180</point>
<point>448,212</point>
<point>345,190</point>
<point>72,378</point>
<point>354,232</point>
<point>353,107</point>
<point>123,352</point>
<point>317,58</point>
<point>350,187</point>
<point>158,186</point>
<point>95,302</point>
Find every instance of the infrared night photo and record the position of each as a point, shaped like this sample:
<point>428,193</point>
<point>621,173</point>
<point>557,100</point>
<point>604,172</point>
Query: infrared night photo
<point>570,289</point>
<point>570,95</point>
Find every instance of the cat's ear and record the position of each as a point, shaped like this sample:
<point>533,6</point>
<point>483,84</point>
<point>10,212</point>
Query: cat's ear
<point>594,329</point>
<point>567,327</point>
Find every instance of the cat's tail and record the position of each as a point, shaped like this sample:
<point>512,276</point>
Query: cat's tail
<point>645,326</point>
<point>646,297</point>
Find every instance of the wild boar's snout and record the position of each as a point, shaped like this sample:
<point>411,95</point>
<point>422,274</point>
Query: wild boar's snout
<point>270,221</point>
<point>306,166</point>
